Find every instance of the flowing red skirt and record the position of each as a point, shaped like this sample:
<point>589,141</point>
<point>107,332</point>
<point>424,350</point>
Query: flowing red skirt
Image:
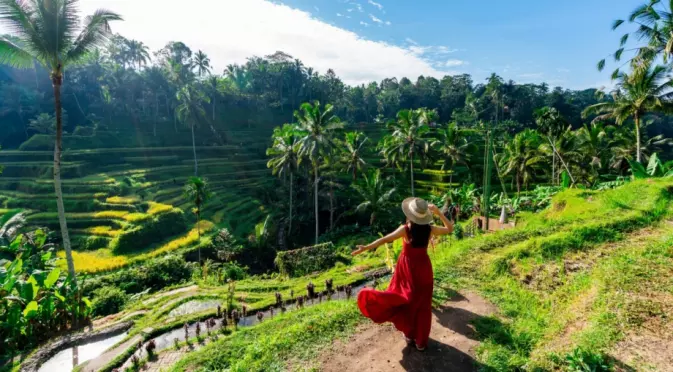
<point>407,302</point>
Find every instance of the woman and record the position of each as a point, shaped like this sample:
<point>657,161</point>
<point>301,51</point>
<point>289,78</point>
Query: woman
<point>408,301</point>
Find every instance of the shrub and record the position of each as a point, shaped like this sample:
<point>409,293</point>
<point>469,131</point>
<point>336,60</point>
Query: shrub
<point>306,260</point>
<point>154,274</point>
<point>232,271</point>
<point>92,243</point>
<point>158,228</point>
<point>108,300</point>
<point>586,361</point>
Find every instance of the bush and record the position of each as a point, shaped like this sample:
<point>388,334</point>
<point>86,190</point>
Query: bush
<point>306,260</point>
<point>91,243</point>
<point>586,361</point>
<point>154,274</point>
<point>161,227</point>
<point>232,271</point>
<point>108,300</point>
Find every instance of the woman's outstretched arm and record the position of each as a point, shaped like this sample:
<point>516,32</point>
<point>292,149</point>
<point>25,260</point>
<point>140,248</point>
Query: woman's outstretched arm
<point>386,239</point>
<point>448,225</point>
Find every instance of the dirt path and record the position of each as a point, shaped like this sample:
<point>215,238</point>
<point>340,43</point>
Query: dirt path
<point>379,348</point>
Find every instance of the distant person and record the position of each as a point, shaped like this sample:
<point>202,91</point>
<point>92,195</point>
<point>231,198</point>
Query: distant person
<point>407,302</point>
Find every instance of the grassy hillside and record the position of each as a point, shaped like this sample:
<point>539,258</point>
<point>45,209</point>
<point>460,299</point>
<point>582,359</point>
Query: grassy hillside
<point>125,205</point>
<point>572,284</point>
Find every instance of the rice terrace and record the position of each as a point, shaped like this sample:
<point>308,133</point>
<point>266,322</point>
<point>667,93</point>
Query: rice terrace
<point>180,207</point>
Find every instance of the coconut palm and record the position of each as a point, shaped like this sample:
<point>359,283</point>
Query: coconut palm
<point>190,111</point>
<point>283,161</point>
<point>552,125</point>
<point>654,31</point>
<point>454,146</point>
<point>48,32</point>
<point>522,158</point>
<point>623,147</point>
<point>375,195</point>
<point>201,62</point>
<point>138,52</point>
<point>317,126</point>
<point>352,152</point>
<point>594,142</point>
<point>198,192</point>
<point>644,90</point>
<point>408,139</point>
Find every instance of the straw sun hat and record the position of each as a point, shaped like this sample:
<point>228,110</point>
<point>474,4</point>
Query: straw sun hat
<point>416,210</point>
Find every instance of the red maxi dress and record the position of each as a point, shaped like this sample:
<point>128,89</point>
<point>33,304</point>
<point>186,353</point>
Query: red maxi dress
<point>407,302</point>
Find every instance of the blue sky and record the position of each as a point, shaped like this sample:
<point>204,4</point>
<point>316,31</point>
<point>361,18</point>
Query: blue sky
<point>558,42</point>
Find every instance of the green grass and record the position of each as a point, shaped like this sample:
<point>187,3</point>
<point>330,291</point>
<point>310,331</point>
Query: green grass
<point>297,335</point>
<point>526,277</point>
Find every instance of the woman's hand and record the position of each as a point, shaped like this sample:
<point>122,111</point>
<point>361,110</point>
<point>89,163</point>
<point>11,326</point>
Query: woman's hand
<point>360,249</point>
<point>433,208</point>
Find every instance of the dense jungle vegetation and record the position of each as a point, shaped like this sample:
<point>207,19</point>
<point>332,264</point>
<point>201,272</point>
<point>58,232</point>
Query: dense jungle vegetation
<point>144,186</point>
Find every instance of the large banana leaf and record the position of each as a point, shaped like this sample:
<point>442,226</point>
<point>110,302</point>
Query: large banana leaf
<point>638,170</point>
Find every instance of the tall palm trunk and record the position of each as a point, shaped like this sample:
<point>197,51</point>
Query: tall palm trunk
<point>637,121</point>
<point>57,80</point>
<point>411,171</point>
<point>289,229</point>
<point>196,164</point>
<point>198,228</point>
<point>315,193</point>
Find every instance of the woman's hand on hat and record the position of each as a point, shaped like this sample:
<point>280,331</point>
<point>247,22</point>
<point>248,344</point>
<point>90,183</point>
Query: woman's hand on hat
<point>433,208</point>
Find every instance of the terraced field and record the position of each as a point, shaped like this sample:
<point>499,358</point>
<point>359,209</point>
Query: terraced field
<point>112,195</point>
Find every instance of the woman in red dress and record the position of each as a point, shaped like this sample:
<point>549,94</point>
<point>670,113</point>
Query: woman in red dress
<point>407,302</point>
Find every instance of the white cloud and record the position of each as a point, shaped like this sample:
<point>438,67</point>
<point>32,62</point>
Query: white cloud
<point>563,70</point>
<point>374,19</point>
<point>350,10</point>
<point>364,24</point>
<point>358,6</point>
<point>316,9</point>
<point>411,41</point>
<point>455,63</point>
<point>339,15</point>
<point>531,75</point>
<point>388,23</point>
<point>262,28</point>
<point>375,4</point>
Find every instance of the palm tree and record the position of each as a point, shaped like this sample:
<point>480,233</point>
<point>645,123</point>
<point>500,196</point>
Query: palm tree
<point>644,90</point>
<point>212,86</point>
<point>317,127</point>
<point>521,158</point>
<point>47,33</point>
<point>594,143</point>
<point>198,192</point>
<point>138,52</point>
<point>375,195</point>
<point>654,21</point>
<point>623,149</point>
<point>352,153</point>
<point>202,63</point>
<point>552,125</point>
<point>454,146</point>
<point>190,111</point>
<point>408,138</point>
<point>283,155</point>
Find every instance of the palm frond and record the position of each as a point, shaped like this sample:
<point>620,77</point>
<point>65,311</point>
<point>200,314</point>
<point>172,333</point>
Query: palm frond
<point>13,55</point>
<point>95,34</point>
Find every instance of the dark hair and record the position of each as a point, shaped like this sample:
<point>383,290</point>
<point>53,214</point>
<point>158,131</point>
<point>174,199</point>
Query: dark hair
<point>418,235</point>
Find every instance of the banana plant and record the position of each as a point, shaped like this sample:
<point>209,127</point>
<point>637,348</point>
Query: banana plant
<point>655,168</point>
<point>35,298</point>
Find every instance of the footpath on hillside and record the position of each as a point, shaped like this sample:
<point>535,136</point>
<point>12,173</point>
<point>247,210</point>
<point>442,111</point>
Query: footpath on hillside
<point>382,348</point>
